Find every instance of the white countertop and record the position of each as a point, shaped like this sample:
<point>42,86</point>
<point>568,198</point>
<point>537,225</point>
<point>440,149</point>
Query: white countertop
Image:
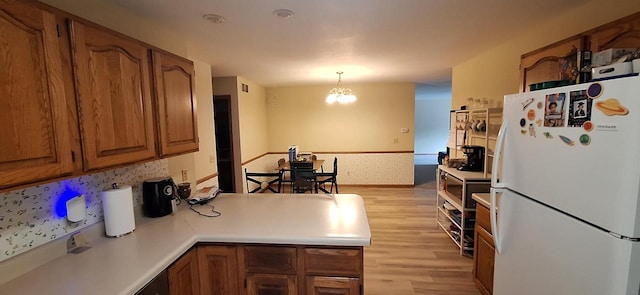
<point>124,265</point>
<point>484,199</point>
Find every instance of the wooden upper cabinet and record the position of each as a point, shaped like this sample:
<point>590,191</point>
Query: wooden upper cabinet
<point>623,33</point>
<point>176,104</point>
<point>113,96</point>
<point>550,63</point>
<point>34,137</point>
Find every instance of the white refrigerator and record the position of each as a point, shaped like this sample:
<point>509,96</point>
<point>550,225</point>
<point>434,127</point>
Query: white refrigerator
<point>568,220</point>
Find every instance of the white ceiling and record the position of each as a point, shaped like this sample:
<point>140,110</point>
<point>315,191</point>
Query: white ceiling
<point>370,40</point>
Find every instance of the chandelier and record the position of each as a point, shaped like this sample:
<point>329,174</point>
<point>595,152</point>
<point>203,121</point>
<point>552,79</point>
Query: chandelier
<point>340,94</point>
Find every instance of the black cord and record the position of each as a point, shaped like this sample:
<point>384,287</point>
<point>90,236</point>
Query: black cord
<point>215,213</point>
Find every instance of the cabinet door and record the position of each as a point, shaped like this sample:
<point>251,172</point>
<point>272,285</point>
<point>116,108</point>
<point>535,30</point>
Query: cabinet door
<point>183,275</point>
<point>483,261</point>
<point>332,286</point>
<point>550,63</point>
<point>176,104</point>
<point>113,97</point>
<point>158,286</point>
<point>271,284</point>
<point>218,270</point>
<point>623,33</point>
<point>35,135</point>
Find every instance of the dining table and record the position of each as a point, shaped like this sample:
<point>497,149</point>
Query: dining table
<point>317,165</point>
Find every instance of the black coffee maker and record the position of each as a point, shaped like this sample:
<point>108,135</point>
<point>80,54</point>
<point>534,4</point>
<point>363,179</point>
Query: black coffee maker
<point>475,158</point>
<point>157,196</point>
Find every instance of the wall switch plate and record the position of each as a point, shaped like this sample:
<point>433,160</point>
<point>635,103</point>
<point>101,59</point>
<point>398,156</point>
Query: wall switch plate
<point>184,175</point>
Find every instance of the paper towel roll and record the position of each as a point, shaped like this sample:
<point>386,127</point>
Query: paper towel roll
<point>117,205</point>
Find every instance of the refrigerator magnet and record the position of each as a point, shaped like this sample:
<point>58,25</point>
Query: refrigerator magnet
<point>588,126</point>
<point>612,107</point>
<point>595,90</point>
<point>523,122</point>
<point>566,140</point>
<point>585,139</point>
<point>547,135</point>
<point>526,103</point>
<point>531,115</point>
<point>532,130</point>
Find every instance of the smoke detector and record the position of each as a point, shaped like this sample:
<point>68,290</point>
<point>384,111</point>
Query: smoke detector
<point>283,13</point>
<point>214,18</point>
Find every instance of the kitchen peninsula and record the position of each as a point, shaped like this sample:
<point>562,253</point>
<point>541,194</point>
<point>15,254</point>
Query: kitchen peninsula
<point>311,228</point>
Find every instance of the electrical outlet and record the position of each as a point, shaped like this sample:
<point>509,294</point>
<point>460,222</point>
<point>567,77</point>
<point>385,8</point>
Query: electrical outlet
<point>184,175</point>
<point>404,130</point>
<point>395,140</point>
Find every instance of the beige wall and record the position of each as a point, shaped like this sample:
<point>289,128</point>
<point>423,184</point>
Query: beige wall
<point>205,159</point>
<point>495,73</point>
<point>299,115</point>
<point>252,108</point>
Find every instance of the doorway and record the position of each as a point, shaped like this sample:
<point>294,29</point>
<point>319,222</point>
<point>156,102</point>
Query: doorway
<point>224,142</point>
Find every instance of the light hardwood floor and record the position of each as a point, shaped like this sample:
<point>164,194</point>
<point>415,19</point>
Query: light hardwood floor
<point>408,253</point>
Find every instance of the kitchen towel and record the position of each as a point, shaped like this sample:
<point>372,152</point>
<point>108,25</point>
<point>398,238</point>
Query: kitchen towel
<point>117,205</point>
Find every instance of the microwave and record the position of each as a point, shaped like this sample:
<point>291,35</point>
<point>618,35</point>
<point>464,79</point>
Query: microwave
<point>462,190</point>
<point>453,186</point>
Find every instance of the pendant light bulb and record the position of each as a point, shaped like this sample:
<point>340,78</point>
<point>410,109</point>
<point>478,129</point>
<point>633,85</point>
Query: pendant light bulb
<point>340,94</point>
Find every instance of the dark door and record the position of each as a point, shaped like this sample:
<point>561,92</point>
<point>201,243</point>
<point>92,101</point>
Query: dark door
<point>224,144</point>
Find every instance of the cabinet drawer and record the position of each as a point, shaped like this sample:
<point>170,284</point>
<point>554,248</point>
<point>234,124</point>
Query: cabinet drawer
<point>333,261</point>
<point>266,259</point>
<point>483,217</point>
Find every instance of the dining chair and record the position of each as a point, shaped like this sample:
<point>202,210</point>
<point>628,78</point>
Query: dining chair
<point>315,158</point>
<point>329,177</point>
<point>260,178</point>
<point>304,180</point>
<point>287,178</point>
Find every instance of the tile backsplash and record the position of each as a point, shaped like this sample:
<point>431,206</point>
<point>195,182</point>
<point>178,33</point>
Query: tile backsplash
<point>33,216</point>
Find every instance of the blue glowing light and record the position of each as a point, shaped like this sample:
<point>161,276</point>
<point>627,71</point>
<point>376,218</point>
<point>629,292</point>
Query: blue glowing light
<point>61,204</point>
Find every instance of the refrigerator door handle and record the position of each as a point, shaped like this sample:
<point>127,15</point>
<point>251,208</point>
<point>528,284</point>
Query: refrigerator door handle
<point>502,134</point>
<point>494,220</point>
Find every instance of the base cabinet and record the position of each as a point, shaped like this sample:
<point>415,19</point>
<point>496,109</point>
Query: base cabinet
<point>184,275</point>
<point>332,285</point>
<point>218,268</point>
<point>279,269</point>
<point>484,256</point>
<point>251,269</point>
<point>272,284</point>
